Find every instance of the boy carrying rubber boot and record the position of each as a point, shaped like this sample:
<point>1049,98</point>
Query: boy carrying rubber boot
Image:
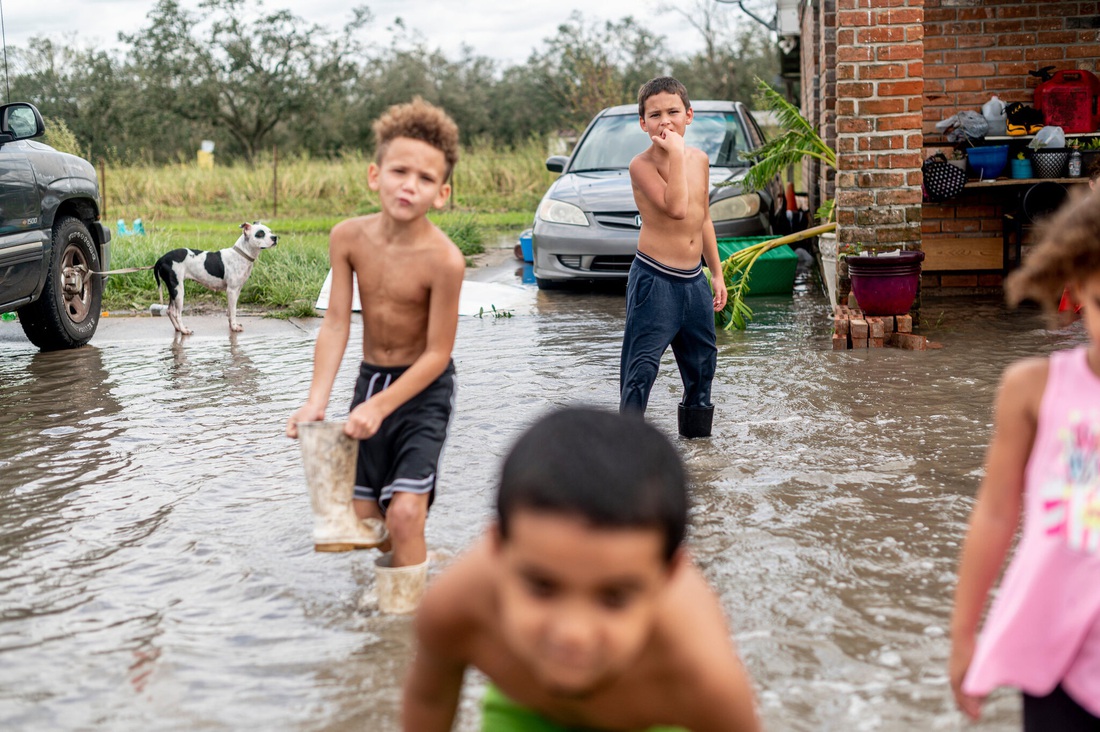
<point>580,603</point>
<point>409,276</point>
<point>668,300</point>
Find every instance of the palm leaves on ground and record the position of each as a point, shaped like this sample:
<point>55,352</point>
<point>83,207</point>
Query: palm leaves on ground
<point>736,269</point>
<point>797,141</point>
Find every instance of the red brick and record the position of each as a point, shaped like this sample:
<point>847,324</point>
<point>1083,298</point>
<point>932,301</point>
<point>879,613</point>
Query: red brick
<point>840,343</point>
<point>840,326</point>
<point>1004,54</point>
<point>859,343</point>
<point>912,342</point>
<point>1046,53</point>
<point>882,71</point>
<point>880,34</point>
<point>904,324</point>
<point>939,43</point>
<point>1016,11</point>
<point>847,54</point>
<point>900,88</point>
<point>871,107</point>
<point>975,13</point>
<point>852,18</point>
<point>899,52</point>
<point>963,57</point>
<point>855,89</point>
<point>858,329</point>
<point>1082,51</point>
<point>977,69</point>
<point>877,327</point>
<point>899,122</point>
<point>1004,26</point>
<point>875,342</point>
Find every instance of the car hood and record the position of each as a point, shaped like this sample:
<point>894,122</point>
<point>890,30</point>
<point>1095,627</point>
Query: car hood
<point>609,190</point>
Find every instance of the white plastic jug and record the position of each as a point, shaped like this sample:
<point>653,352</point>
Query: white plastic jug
<point>994,113</point>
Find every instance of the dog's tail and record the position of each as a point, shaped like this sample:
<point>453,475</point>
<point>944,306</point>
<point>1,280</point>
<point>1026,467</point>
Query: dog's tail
<point>160,291</point>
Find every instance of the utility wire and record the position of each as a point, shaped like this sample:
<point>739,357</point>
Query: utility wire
<point>4,37</point>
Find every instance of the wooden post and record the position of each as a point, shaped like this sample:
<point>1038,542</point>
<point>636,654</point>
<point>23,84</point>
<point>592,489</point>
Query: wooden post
<point>275,182</point>
<point>102,188</point>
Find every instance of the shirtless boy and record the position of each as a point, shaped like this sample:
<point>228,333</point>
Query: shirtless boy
<point>668,301</point>
<point>580,604</point>
<point>409,275</point>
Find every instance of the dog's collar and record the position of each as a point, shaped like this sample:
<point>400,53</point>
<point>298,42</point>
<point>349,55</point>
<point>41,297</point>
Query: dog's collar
<point>243,253</point>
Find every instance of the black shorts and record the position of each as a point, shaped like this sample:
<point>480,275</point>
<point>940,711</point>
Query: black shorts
<point>404,454</point>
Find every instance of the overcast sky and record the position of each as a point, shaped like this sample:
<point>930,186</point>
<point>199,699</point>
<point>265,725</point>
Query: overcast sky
<point>506,30</point>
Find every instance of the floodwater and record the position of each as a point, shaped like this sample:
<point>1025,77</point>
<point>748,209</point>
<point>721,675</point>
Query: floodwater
<point>156,565</point>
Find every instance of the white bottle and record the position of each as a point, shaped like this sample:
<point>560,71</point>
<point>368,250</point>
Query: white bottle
<point>994,113</point>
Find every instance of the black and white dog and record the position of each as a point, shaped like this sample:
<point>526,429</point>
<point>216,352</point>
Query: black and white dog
<point>227,269</point>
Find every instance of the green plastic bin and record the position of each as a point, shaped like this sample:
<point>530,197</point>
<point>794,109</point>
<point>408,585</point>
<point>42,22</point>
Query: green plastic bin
<point>773,273</point>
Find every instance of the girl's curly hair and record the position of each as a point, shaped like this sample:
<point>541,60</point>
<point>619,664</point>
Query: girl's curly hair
<point>418,120</point>
<point>1068,251</point>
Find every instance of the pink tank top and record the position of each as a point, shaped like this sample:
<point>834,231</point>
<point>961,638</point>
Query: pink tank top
<point>1044,626</point>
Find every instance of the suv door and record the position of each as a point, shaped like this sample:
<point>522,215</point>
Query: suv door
<point>23,243</point>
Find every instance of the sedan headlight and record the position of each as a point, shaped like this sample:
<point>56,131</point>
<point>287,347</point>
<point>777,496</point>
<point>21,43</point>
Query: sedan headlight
<point>735,207</point>
<point>560,212</point>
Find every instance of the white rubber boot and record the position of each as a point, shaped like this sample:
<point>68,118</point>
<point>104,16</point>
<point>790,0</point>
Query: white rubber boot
<point>328,456</point>
<point>399,589</point>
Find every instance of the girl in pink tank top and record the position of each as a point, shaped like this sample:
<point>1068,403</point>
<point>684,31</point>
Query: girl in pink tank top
<point>1042,633</point>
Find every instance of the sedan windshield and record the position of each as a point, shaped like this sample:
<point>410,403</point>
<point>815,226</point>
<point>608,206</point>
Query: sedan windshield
<point>614,141</point>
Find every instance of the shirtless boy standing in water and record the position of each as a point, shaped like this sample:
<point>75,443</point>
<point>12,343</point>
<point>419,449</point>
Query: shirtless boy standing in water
<point>409,276</point>
<point>668,301</point>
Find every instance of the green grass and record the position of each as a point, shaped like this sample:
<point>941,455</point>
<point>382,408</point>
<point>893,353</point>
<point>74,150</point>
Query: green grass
<point>495,194</point>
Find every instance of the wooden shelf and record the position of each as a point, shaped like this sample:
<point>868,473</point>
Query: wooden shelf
<point>997,138</point>
<point>1020,181</point>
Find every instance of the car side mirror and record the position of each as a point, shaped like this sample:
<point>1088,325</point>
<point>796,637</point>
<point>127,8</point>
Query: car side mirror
<point>20,121</point>
<point>556,163</point>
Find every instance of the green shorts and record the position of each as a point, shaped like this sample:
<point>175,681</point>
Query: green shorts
<point>501,714</point>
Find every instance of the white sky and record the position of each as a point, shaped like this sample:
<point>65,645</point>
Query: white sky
<point>506,30</point>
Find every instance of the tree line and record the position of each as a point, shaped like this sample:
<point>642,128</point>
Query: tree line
<point>250,79</point>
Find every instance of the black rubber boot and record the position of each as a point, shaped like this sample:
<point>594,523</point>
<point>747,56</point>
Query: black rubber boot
<point>695,421</point>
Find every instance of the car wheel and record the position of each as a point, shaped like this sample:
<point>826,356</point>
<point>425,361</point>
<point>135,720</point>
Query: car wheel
<point>67,313</point>
<point>545,284</point>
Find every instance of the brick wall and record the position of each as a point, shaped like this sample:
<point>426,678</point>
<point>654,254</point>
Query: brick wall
<point>974,49</point>
<point>879,98</point>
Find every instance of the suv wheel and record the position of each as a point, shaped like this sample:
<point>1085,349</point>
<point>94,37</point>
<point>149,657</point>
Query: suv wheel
<point>67,313</point>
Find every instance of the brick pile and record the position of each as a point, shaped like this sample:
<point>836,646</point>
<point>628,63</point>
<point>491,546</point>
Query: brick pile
<point>852,329</point>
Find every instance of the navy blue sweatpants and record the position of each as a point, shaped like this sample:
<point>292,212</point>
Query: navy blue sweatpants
<point>667,306</point>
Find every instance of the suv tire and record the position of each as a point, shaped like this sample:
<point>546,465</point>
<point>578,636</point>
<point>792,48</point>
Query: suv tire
<point>67,313</point>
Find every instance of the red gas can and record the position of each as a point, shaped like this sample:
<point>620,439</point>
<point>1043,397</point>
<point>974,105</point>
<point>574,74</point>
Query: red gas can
<point>1070,100</point>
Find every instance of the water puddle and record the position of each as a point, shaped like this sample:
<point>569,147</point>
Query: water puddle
<point>156,563</point>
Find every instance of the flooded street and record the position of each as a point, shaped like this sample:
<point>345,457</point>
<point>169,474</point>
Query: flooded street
<point>156,563</point>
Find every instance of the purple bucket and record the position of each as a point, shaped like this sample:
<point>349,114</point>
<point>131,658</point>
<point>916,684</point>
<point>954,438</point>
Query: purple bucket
<point>886,285</point>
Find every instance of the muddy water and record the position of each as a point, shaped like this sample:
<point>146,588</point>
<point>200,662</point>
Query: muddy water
<point>156,566</point>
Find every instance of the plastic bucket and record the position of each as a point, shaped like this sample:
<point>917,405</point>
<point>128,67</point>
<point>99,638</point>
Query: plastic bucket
<point>526,246</point>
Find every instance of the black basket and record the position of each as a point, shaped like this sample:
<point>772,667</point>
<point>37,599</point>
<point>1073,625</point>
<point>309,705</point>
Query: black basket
<point>1050,162</point>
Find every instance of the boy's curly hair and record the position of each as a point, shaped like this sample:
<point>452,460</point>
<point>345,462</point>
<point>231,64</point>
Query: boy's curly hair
<point>1068,251</point>
<point>418,120</point>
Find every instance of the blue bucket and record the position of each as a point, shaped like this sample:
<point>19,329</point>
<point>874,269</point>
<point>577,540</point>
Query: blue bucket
<point>526,246</point>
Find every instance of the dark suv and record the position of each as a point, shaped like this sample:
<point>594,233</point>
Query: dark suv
<point>51,238</point>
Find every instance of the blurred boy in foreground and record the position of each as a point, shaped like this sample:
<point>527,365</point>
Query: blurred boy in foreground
<point>580,604</point>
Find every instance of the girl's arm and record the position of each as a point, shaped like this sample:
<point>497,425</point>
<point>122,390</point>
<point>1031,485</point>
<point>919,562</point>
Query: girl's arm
<point>996,514</point>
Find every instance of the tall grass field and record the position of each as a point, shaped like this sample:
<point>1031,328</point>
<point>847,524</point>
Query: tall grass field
<point>495,193</point>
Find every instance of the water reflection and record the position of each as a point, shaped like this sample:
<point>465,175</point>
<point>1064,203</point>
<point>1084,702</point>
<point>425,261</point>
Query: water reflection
<point>156,569</point>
